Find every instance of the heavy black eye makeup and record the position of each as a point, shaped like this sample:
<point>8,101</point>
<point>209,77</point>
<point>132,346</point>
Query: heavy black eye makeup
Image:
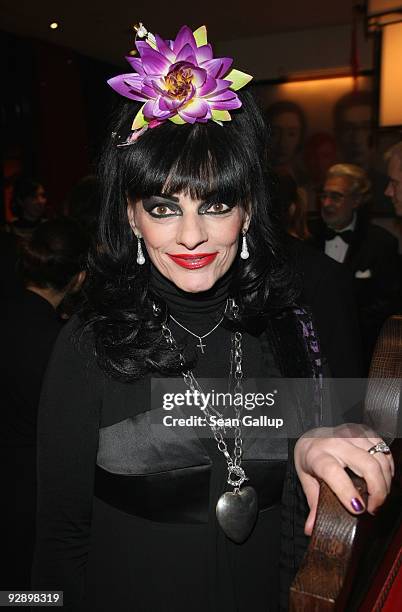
<point>168,206</point>
<point>159,206</point>
<point>215,208</point>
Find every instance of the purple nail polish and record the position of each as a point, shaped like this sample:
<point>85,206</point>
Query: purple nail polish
<point>357,505</point>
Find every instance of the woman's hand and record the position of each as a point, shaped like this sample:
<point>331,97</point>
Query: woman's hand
<point>323,453</point>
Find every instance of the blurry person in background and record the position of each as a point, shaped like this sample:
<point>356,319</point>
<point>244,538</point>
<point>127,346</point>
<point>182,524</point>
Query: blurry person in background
<point>326,286</point>
<point>354,130</point>
<point>28,206</point>
<point>29,203</point>
<point>368,251</point>
<point>320,153</point>
<point>51,265</point>
<point>353,117</point>
<point>293,202</point>
<point>287,124</point>
<point>393,190</point>
<point>82,205</point>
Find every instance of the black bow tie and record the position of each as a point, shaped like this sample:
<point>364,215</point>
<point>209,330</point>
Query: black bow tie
<point>346,236</point>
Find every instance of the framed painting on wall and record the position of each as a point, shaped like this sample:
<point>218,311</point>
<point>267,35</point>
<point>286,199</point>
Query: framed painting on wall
<point>322,121</point>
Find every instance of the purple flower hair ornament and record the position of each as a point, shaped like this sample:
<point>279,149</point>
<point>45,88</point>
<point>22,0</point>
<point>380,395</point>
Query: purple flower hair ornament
<point>179,80</point>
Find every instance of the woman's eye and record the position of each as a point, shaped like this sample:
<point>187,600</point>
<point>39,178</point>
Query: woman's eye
<point>218,208</point>
<point>163,211</point>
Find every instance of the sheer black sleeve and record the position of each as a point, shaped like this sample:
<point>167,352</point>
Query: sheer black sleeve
<point>68,424</point>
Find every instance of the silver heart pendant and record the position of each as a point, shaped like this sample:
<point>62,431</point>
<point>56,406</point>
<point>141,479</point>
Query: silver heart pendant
<point>237,513</point>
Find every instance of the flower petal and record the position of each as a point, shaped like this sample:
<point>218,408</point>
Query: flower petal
<point>239,79</point>
<point>218,67</point>
<point>200,36</point>
<point>187,118</point>
<point>164,48</point>
<point>139,120</point>
<point>208,87</point>
<point>221,115</point>
<point>148,91</point>
<point>154,62</point>
<point>225,104</point>
<point>186,54</point>
<point>203,54</point>
<point>119,84</point>
<point>169,104</point>
<point>197,107</point>
<point>152,110</point>
<point>177,119</point>
<point>136,64</point>
<point>199,76</point>
<point>219,86</point>
<point>184,37</point>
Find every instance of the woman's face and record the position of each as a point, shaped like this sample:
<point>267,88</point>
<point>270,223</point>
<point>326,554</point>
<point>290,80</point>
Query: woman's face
<point>191,242</point>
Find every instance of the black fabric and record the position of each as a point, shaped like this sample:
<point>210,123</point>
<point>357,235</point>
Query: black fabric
<point>29,326</point>
<point>372,259</point>
<point>327,290</point>
<point>74,397</point>
<point>28,329</point>
<point>346,235</point>
<point>192,307</point>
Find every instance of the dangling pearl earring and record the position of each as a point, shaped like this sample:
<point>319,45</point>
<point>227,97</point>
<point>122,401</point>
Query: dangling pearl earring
<point>244,254</point>
<point>140,254</point>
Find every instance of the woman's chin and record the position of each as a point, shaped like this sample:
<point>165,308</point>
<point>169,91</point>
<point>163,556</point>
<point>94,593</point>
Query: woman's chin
<point>194,283</point>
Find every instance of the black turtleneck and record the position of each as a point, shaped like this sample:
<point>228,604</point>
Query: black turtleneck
<point>198,311</point>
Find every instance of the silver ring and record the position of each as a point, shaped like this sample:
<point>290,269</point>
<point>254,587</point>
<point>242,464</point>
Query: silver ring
<point>381,447</point>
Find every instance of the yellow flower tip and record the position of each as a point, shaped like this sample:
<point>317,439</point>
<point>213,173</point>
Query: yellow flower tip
<point>177,120</point>
<point>221,115</point>
<point>139,120</point>
<point>200,36</point>
<point>239,79</point>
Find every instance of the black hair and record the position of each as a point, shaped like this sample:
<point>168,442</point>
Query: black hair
<point>55,253</point>
<point>24,187</point>
<point>228,161</point>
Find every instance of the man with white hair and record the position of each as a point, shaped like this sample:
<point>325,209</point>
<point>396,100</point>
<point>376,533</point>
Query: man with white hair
<point>393,190</point>
<point>369,252</point>
<point>394,169</point>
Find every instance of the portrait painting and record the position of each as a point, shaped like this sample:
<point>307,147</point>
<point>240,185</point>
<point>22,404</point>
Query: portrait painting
<point>320,122</point>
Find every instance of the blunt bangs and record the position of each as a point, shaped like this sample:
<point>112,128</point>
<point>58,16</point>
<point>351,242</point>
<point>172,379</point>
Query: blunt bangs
<point>202,160</point>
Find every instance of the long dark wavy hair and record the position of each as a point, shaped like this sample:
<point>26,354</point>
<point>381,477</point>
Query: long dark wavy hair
<point>229,161</point>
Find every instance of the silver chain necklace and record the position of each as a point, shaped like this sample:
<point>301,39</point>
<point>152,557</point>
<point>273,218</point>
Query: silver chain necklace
<point>236,510</point>
<point>201,346</point>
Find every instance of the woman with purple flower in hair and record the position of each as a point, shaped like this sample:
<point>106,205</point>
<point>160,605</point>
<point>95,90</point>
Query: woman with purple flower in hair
<point>189,281</point>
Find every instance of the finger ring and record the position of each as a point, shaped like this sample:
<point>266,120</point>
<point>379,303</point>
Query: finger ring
<point>381,447</point>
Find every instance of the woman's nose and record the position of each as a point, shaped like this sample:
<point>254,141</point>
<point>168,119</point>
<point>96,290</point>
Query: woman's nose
<point>192,231</point>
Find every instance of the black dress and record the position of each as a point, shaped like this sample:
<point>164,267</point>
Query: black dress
<point>126,513</point>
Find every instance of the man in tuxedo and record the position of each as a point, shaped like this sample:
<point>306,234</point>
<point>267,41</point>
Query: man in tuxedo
<point>369,252</point>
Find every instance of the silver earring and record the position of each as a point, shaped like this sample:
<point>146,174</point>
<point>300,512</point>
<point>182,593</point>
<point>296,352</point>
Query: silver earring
<point>140,254</point>
<point>244,254</point>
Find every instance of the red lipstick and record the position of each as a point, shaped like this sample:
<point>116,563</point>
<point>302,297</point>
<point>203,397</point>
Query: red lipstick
<point>192,261</point>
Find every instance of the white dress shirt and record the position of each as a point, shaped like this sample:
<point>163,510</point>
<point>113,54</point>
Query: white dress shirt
<point>336,247</point>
